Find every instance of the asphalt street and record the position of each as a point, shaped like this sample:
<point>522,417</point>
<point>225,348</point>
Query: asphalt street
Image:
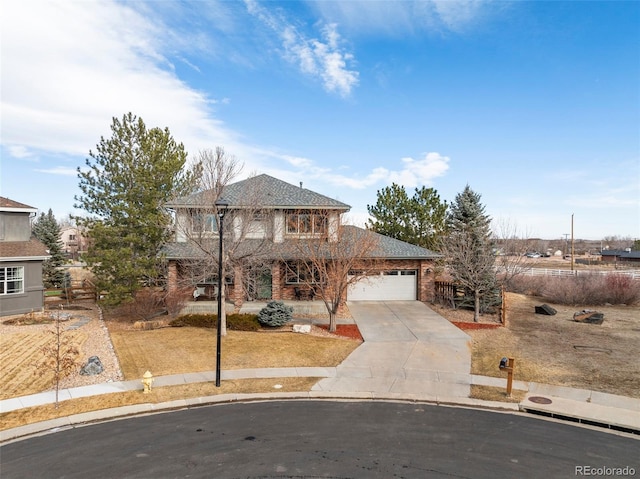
<point>331,439</point>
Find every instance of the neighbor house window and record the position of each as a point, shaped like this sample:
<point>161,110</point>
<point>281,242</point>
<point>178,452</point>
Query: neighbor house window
<point>12,280</point>
<point>305,222</point>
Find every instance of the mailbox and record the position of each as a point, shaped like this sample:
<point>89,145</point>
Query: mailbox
<point>504,363</point>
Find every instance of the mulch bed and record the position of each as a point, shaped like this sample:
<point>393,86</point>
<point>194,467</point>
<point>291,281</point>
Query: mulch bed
<point>350,331</point>
<point>474,326</point>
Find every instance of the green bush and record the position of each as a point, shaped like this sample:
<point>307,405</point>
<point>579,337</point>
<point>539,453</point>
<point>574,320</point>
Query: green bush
<point>235,322</point>
<point>275,314</point>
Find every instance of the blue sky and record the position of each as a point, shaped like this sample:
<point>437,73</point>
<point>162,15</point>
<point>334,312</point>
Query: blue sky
<point>535,105</point>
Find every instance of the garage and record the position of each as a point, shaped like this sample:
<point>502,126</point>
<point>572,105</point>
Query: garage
<point>394,285</point>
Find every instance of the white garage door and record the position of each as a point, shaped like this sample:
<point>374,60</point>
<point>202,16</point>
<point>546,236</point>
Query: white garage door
<point>387,286</point>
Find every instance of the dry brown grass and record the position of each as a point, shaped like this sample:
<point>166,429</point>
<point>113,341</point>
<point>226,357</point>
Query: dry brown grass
<point>490,393</point>
<point>557,350</point>
<point>32,415</point>
<point>182,350</point>
<point>21,356</point>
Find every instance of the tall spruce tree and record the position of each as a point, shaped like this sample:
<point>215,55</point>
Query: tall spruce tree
<point>127,181</point>
<point>469,249</point>
<point>418,220</point>
<point>47,230</point>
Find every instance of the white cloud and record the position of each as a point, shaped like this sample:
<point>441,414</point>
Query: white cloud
<point>323,58</point>
<point>20,151</point>
<point>406,17</point>
<point>69,67</point>
<point>59,170</point>
<point>414,173</point>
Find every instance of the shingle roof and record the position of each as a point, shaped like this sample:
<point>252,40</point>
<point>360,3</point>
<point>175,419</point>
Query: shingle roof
<point>386,248</point>
<point>33,248</point>
<point>7,203</point>
<point>266,192</point>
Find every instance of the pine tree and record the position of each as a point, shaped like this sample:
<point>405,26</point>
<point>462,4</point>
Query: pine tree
<point>127,181</point>
<point>47,230</point>
<point>418,220</point>
<point>469,249</point>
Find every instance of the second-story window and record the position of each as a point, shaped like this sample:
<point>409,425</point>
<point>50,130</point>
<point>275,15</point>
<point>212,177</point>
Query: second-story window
<point>204,222</point>
<point>306,223</point>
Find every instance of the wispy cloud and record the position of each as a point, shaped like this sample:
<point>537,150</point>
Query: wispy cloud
<point>414,172</point>
<point>407,17</point>
<point>58,170</point>
<point>324,58</point>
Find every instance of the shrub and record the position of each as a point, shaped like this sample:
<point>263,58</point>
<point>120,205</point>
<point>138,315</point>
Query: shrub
<point>275,314</point>
<point>583,289</point>
<point>243,322</point>
<point>195,320</point>
<point>235,322</point>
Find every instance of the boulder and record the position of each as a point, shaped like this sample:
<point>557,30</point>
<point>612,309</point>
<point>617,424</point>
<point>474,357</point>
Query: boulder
<point>545,309</point>
<point>302,328</point>
<point>588,316</point>
<point>93,367</point>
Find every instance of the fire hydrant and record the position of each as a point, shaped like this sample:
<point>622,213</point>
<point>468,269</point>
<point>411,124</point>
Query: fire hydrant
<point>147,381</point>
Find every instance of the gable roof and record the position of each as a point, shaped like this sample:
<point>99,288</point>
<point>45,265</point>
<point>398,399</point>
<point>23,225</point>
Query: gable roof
<point>266,192</point>
<point>7,204</point>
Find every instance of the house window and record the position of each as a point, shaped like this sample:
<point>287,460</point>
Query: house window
<point>204,223</point>
<point>306,222</point>
<point>72,237</point>
<point>298,273</point>
<point>12,280</point>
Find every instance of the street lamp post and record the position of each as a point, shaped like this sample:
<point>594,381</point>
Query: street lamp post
<point>221,209</point>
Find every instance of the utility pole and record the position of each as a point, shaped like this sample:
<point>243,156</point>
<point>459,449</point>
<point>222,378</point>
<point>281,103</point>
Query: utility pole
<point>572,239</point>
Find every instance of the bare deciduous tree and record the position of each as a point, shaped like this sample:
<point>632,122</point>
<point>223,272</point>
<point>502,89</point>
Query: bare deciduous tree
<point>244,231</point>
<point>59,355</point>
<point>511,248</point>
<point>331,261</point>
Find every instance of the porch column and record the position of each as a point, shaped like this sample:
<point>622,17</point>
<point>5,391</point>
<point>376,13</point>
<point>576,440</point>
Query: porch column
<point>276,281</point>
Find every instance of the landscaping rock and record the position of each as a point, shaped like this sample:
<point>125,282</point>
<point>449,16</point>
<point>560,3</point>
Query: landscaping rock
<point>588,316</point>
<point>545,309</point>
<point>302,328</point>
<point>93,367</point>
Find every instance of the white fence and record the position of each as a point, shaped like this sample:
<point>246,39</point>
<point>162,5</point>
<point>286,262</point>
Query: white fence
<point>577,272</point>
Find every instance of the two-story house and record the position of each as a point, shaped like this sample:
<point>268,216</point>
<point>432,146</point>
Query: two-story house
<point>21,257</point>
<point>265,228</point>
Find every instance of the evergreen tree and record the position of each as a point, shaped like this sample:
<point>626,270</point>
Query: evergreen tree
<point>128,180</point>
<point>469,249</point>
<point>418,220</point>
<point>47,230</point>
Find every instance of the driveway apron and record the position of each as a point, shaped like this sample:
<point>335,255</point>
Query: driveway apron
<point>408,349</point>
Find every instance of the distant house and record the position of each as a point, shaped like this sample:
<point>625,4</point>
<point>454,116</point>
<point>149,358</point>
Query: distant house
<point>614,256</point>
<point>21,257</point>
<point>74,243</point>
<point>285,215</point>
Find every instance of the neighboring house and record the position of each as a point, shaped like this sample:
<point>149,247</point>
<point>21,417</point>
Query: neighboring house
<point>613,256</point>
<point>21,257</point>
<point>282,215</point>
<point>74,243</point>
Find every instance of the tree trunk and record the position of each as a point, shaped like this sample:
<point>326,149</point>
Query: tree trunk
<point>332,322</point>
<point>476,306</point>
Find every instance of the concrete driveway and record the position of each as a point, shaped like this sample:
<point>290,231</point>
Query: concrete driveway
<point>408,349</point>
